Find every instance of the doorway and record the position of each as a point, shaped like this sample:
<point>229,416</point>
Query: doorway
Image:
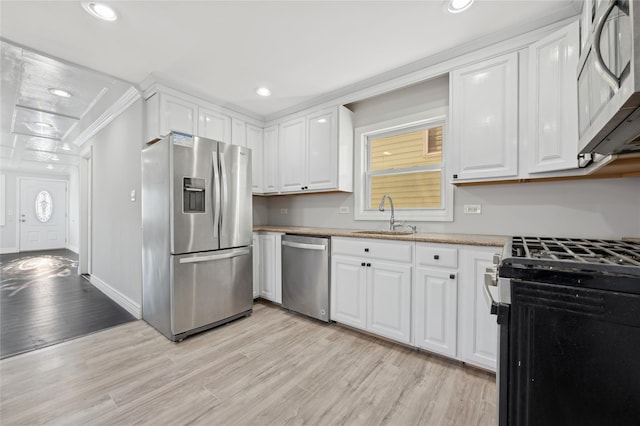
<point>43,214</point>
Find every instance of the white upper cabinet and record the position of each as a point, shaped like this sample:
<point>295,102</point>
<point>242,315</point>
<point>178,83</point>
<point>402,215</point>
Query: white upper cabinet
<point>270,160</point>
<point>292,150</point>
<point>316,152</point>
<point>238,132</point>
<point>167,113</point>
<point>484,119</point>
<point>322,146</point>
<point>254,142</point>
<point>553,114</point>
<point>214,125</point>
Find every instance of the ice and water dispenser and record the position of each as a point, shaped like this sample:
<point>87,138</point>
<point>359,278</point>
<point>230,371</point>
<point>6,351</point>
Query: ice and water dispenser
<point>193,194</point>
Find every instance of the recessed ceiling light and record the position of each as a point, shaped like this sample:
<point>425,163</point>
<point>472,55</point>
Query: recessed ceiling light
<point>100,10</point>
<point>42,124</point>
<point>263,91</point>
<point>322,120</point>
<point>50,167</point>
<point>457,6</point>
<point>60,92</point>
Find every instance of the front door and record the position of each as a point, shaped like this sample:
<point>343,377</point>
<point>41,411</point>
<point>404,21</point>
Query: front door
<point>43,214</point>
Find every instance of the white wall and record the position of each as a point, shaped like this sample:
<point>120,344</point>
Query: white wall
<point>8,232</point>
<point>116,243</point>
<point>608,208</point>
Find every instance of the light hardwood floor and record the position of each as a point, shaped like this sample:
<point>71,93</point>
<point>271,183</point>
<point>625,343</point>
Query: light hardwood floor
<point>273,367</point>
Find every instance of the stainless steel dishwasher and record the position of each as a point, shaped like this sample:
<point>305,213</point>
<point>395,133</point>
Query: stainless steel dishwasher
<point>305,275</point>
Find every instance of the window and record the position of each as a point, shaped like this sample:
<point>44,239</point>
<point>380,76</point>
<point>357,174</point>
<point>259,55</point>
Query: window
<point>44,206</point>
<point>406,160</point>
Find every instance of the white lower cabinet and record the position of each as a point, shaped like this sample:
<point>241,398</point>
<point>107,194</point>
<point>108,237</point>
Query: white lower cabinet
<point>389,300</point>
<point>348,291</point>
<point>478,329</point>
<point>369,292</point>
<point>269,266</point>
<point>256,265</point>
<point>435,300</point>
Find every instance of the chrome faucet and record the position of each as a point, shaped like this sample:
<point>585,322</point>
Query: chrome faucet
<point>381,208</point>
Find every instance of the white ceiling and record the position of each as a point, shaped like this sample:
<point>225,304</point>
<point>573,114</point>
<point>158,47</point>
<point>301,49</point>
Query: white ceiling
<point>223,51</point>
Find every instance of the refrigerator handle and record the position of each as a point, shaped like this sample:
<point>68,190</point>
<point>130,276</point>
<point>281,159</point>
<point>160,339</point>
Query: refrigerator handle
<point>223,188</point>
<point>227,255</point>
<point>215,193</point>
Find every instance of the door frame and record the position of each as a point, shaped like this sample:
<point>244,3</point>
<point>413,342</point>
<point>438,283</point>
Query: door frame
<point>19,181</point>
<point>85,177</point>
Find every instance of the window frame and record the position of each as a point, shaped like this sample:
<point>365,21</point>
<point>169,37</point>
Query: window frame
<point>362,211</point>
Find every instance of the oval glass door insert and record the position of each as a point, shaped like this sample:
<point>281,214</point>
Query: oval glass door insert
<point>44,206</point>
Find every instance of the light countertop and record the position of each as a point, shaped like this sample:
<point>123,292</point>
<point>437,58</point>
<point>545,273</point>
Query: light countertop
<point>422,237</point>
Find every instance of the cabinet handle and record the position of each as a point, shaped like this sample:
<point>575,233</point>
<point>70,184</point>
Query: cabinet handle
<point>366,250</point>
<point>368,265</point>
<point>452,276</point>
<point>455,176</point>
<point>302,188</point>
<point>436,256</point>
<point>363,264</point>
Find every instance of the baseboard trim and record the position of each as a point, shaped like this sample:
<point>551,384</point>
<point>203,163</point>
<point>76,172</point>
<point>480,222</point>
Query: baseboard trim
<point>7,250</point>
<point>74,249</point>
<point>129,305</point>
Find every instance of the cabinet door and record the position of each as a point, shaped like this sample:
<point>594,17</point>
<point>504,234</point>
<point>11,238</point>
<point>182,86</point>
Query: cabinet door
<point>214,125</point>
<point>270,160</point>
<point>177,115</point>
<point>477,329</point>
<point>292,155</point>
<point>553,113</point>
<point>348,291</point>
<point>254,142</point>
<point>238,132</point>
<point>389,300</point>
<point>257,272</point>
<point>322,150</point>
<point>268,267</point>
<point>484,119</point>
<point>436,310</point>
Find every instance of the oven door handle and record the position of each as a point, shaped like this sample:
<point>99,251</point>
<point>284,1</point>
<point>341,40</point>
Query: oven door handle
<point>487,295</point>
<point>608,76</point>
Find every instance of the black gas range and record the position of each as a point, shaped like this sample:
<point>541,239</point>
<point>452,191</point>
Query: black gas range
<point>569,331</point>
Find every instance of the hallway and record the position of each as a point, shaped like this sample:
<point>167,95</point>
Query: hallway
<point>43,301</point>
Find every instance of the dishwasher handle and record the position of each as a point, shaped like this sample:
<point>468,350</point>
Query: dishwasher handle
<point>304,245</point>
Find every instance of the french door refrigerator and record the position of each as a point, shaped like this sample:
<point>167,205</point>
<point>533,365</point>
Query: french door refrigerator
<point>196,234</point>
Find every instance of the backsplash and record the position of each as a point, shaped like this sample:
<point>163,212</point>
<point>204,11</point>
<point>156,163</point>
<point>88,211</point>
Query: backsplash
<point>605,208</point>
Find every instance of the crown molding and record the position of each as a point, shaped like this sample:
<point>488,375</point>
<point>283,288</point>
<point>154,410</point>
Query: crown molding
<point>120,106</point>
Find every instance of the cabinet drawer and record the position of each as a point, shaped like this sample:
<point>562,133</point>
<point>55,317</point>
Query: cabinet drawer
<point>396,251</point>
<point>430,255</point>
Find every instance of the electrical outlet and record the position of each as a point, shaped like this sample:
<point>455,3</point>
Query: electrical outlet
<point>473,209</point>
<point>344,210</point>
<point>284,211</point>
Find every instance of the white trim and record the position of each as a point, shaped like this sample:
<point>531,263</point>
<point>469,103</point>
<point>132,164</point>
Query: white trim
<point>129,305</point>
<point>120,106</point>
<point>360,212</point>
<point>74,249</point>
<point>7,250</point>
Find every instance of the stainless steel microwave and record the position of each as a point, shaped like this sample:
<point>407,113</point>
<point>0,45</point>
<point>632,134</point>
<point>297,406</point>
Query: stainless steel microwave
<point>609,78</point>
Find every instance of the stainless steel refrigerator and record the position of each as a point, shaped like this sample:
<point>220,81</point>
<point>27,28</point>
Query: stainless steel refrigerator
<point>196,235</point>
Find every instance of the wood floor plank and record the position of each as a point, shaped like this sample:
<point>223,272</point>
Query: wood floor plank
<point>273,367</point>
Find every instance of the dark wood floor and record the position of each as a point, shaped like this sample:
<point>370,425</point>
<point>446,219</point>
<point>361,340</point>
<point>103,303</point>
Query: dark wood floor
<point>44,301</point>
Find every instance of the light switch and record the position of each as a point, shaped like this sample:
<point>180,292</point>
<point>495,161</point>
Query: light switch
<point>133,195</point>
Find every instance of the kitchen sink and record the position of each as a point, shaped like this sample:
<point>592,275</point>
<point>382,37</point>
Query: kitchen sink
<point>382,232</point>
